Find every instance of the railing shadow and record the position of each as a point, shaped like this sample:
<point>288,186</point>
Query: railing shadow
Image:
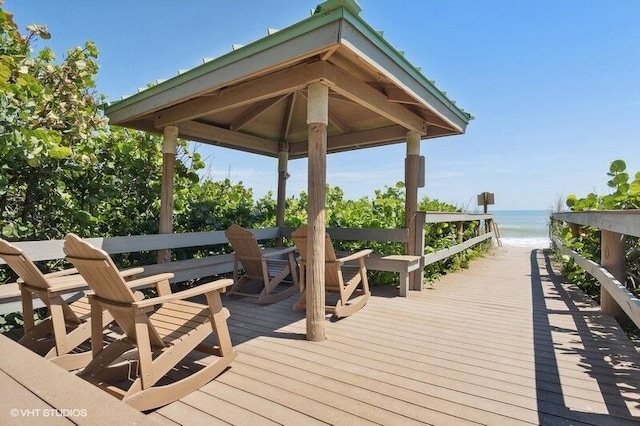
<point>598,343</point>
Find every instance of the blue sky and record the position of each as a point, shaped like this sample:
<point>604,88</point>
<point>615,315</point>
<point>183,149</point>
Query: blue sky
<point>554,85</point>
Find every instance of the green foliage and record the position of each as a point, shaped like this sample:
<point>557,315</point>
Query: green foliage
<point>386,211</point>
<point>62,169</point>
<point>625,196</point>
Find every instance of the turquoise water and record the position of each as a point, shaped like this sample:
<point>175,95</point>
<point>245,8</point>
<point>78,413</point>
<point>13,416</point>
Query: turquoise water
<point>523,228</point>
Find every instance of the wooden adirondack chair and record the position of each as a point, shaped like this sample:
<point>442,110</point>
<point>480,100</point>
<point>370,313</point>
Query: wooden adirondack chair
<point>152,346</point>
<point>266,268</point>
<point>68,324</point>
<point>342,276</point>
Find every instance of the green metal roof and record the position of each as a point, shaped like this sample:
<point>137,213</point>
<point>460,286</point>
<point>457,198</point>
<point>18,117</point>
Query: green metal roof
<point>138,110</point>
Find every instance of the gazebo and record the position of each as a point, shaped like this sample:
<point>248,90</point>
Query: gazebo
<point>326,84</point>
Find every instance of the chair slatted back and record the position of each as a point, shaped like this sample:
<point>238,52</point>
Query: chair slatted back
<point>102,276</point>
<point>332,271</point>
<point>246,249</point>
<point>23,266</point>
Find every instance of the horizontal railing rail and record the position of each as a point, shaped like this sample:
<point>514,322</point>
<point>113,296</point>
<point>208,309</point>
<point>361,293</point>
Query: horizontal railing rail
<point>614,226</point>
<point>218,264</point>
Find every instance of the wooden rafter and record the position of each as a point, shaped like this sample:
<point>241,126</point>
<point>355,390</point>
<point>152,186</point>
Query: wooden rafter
<point>347,141</point>
<point>365,95</point>
<point>217,135</point>
<point>253,112</point>
<point>258,89</point>
<point>288,117</point>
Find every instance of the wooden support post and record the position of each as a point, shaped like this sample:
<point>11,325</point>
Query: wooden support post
<point>317,119</point>
<point>417,277</point>
<point>283,175</point>
<point>166,196</point>
<point>489,225</point>
<point>575,230</point>
<point>411,178</point>
<point>612,258</point>
<point>460,231</point>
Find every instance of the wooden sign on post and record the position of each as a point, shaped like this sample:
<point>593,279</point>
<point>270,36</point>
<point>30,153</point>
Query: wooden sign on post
<point>485,199</point>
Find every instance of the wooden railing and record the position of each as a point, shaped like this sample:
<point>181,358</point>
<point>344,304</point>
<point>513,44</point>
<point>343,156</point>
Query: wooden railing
<point>614,226</point>
<point>409,267</point>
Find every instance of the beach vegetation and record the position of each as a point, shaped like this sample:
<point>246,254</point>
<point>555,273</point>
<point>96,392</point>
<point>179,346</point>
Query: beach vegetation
<point>624,195</point>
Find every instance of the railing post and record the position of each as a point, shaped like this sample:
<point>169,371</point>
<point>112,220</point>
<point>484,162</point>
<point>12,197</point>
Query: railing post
<point>416,278</point>
<point>613,259</point>
<point>460,231</point>
<point>283,175</point>
<point>575,230</point>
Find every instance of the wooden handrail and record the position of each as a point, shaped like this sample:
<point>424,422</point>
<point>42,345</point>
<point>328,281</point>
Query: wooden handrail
<point>52,249</point>
<point>615,298</point>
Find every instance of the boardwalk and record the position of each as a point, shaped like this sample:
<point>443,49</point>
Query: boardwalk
<point>501,343</point>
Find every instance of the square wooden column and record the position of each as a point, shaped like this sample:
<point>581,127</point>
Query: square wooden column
<point>411,182</point>
<point>166,195</point>
<point>317,119</point>
<point>283,175</point>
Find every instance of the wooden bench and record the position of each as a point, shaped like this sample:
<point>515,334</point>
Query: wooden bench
<point>402,264</point>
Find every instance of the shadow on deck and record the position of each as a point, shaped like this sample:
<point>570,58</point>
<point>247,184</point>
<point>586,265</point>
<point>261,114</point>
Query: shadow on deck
<point>606,354</point>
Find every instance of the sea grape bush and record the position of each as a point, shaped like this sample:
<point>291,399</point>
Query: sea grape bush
<point>625,196</point>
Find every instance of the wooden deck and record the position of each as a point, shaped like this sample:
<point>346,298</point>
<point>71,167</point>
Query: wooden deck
<point>504,342</point>
<point>501,343</point>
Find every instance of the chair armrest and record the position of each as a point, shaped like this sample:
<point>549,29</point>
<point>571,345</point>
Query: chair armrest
<point>64,284</point>
<point>125,273</point>
<point>151,280</point>
<point>185,294</point>
<point>285,250</point>
<point>63,273</point>
<point>355,256</point>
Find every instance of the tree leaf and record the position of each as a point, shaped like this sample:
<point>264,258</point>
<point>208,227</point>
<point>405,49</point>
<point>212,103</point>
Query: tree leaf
<point>60,152</point>
<point>618,166</point>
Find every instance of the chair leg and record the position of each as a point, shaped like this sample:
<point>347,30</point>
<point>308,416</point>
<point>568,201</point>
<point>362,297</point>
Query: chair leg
<point>27,309</point>
<point>56,309</point>
<point>219,316</point>
<point>105,357</point>
<point>32,338</point>
<point>301,304</point>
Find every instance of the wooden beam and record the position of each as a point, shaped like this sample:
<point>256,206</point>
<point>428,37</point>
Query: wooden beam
<point>261,88</point>
<point>286,124</point>
<point>625,222</point>
<point>329,52</point>
<point>365,95</point>
<point>396,95</point>
<point>253,112</point>
<point>218,136</point>
<point>356,140</point>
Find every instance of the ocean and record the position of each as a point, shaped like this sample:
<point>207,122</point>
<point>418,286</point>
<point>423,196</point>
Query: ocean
<point>523,228</point>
